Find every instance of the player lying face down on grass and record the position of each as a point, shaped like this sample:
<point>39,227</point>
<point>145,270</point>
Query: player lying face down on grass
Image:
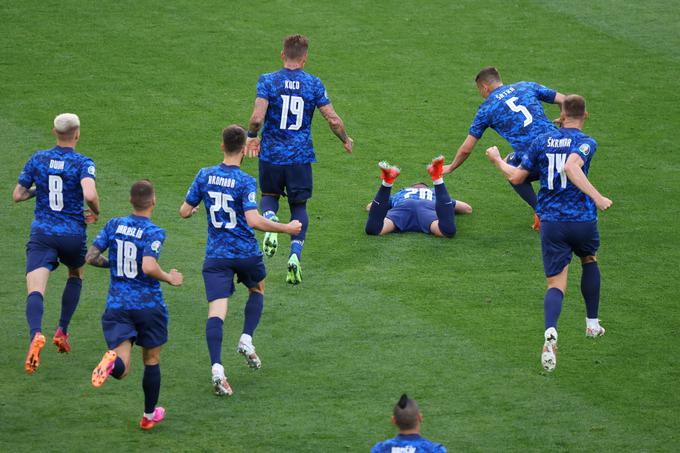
<point>135,309</point>
<point>567,207</point>
<point>230,198</point>
<point>415,208</point>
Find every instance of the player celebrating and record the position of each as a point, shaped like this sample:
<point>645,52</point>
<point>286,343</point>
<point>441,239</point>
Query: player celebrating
<point>229,196</point>
<point>285,103</point>
<point>135,310</point>
<point>567,207</point>
<point>414,208</point>
<point>407,418</point>
<point>516,113</point>
<point>62,179</point>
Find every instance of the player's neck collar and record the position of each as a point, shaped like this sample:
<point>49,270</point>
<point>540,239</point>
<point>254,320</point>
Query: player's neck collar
<point>225,165</point>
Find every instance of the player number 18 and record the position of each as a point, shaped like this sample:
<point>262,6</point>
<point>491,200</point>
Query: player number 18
<point>126,259</point>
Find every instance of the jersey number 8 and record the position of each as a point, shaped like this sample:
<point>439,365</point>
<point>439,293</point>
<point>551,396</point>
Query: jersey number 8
<point>296,105</point>
<point>221,203</point>
<point>56,196</point>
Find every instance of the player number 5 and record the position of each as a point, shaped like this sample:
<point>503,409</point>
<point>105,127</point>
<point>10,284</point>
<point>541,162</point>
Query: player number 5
<point>221,203</point>
<point>56,195</point>
<point>520,109</point>
<point>296,105</point>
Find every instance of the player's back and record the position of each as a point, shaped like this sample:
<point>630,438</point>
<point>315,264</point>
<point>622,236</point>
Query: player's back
<point>227,193</point>
<point>413,195</point>
<point>293,96</point>
<point>410,443</point>
<point>516,113</point>
<point>57,173</point>
<point>559,199</point>
<point>129,239</point>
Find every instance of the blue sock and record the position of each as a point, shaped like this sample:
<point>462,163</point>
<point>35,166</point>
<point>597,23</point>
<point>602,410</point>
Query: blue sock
<point>269,206</point>
<point>298,211</point>
<point>552,307</point>
<point>118,369</point>
<point>590,288</point>
<point>253,312</point>
<point>213,335</point>
<point>444,206</point>
<point>69,301</point>
<point>34,312</point>
<point>526,191</point>
<point>151,383</point>
<point>378,210</point>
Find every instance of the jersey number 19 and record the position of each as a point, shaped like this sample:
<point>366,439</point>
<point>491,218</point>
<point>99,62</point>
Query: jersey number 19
<point>296,106</point>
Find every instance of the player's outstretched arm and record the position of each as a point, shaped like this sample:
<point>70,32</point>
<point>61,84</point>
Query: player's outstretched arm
<point>337,126</point>
<point>22,194</point>
<point>151,268</point>
<point>256,221</point>
<point>462,154</point>
<point>559,98</point>
<point>95,258</point>
<point>516,175</point>
<point>573,169</point>
<point>91,199</point>
<point>186,210</point>
<point>254,125</point>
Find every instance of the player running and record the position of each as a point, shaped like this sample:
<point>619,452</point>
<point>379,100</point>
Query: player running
<point>135,310</point>
<point>516,113</point>
<point>414,208</point>
<point>567,207</point>
<point>285,104</point>
<point>60,179</point>
<point>230,199</point>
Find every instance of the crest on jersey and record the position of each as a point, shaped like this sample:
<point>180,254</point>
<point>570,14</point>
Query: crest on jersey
<point>585,149</point>
<point>156,246</point>
<point>91,170</point>
<point>252,197</point>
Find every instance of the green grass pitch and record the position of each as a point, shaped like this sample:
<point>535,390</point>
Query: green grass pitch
<point>455,323</point>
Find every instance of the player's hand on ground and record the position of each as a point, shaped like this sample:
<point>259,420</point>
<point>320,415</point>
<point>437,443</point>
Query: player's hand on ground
<point>90,217</point>
<point>348,145</point>
<point>294,227</point>
<point>253,147</point>
<point>603,203</point>
<point>493,154</point>
<point>176,277</point>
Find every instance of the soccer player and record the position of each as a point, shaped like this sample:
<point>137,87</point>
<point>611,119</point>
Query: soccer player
<point>135,310</point>
<point>230,199</point>
<point>285,104</point>
<point>516,113</point>
<point>60,179</point>
<point>407,418</point>
<point>414,208</point>
<point>567,207</point>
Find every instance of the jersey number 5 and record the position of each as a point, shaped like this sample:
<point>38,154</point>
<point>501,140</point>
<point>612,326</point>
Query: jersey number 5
<point>296,105</point>
<point>520,109</point>
<point>221,203</point>
<point>126,259</point>
<point>56,196</point>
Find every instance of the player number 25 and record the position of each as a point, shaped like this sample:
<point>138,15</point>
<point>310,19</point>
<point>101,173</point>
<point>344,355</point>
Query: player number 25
<point>221,203</point>
<point>520,109</point>
<point>126,259</point>
<point>556,163</point>
<point>56,195</point>
<point>296,105</point>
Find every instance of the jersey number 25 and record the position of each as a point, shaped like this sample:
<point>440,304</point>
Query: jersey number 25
<point>220,202</point>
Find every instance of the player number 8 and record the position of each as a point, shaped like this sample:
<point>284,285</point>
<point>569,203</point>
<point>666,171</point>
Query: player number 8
<point>56,195</point>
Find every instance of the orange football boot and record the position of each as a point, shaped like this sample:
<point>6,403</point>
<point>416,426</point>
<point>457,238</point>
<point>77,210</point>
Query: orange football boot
<point>436,168</point>
<point>102,371</point>
<point>537,223</point>
<point>60,340</point>
<point>33,357</point>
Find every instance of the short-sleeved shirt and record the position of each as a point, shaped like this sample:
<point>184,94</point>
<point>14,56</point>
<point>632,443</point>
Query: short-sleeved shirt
<point>422,194</point>
<point>293,96</point>
<point>129,239</point>
<point>515,112</point>
<point>408,443</point>
<point>57,173</point>
<point>558,199</point>
<point>227,193</point>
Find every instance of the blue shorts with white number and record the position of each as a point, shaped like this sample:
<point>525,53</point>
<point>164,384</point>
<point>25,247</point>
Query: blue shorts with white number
<point>515,159</point>
<point>148,327</point>
<point>560,239</point>
<point>218,275</point>
<point>48,251</point>
<point>413,215</point>
<point>293,181</point>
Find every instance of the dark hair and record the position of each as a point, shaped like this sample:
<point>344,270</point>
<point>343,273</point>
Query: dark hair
<point>574,106</point>
<point>295,46</point>
<point>141,194</point>
<point>233,137</point>
<point>488,75</point>
<point>406,413</point>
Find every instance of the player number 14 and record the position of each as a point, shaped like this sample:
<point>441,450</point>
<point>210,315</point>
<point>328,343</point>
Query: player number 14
<point>296,106</point>
<point>556,163</point>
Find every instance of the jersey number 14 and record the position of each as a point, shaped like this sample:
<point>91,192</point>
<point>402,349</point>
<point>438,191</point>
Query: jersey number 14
<point>556,164</point>
<point>296,106</point>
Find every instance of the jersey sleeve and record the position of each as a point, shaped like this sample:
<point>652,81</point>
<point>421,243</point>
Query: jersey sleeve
<point>529,159</point>
<point>87,169</point>
<point>154,243</point>
<point>102,239</point>
<point>26,176</point>
<point>194,194</point>
<point>249,195</point>
<point>585,149</point>
<point>479,124</point>
<point>320,94</point>
<point>544,93</point>
<point>263,87</point>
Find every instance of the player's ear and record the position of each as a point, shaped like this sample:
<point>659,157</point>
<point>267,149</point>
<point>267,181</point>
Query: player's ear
<point>153,200</point>
<point>54,132</point>
<point>586,115</point>
<point>222,146</point>
<point>283,57</point>
<point>393,420</point>
<point>76,136</point>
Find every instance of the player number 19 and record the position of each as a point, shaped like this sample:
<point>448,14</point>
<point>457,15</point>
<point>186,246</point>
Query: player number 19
<point>296,105</point>
<point>56,195</point>
<point>520,109</point>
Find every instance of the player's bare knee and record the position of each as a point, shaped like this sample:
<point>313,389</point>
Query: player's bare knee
<point>589,259</point>
<point>259,288</point>
<point>77,273</point>
<point>151,356</point>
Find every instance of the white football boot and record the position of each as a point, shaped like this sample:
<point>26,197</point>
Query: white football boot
<point>219,380</point>
<point>246,349</point>
<point>593,328</point>
<point>549,355</point>
<point>271,240</point>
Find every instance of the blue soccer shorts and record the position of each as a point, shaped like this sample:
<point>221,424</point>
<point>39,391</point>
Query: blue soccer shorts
<point>292,181</point>
<point>218,275</point>
<point>47,251</point>
<point>413,216</point>
<point>148,327</point>
<point>559,240</point>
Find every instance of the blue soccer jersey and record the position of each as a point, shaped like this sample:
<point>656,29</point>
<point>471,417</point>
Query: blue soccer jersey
<point>558,199</point>
<point>293,96</point>
<point>129,239</point>
<point>227,193</point>
<point>57,173</point>
<point>408,443</point>
<point>412,193</point>
<point>515,112</point>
